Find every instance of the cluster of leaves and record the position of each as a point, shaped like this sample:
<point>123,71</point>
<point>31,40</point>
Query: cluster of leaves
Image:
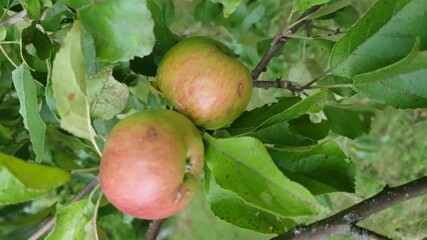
<point>69,73</point>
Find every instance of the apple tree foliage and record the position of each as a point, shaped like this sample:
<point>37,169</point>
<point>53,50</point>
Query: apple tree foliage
<point>72,68</point>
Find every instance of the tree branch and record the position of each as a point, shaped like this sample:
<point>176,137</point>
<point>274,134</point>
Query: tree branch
<point>19,17</point>
<point>79,196</point>
<point>344,221</point>
<point>154,229</point>
<point>279,40</point>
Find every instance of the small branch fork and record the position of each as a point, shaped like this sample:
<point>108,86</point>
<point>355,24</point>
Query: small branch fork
<point>279,40</point>
<point>345,221</point>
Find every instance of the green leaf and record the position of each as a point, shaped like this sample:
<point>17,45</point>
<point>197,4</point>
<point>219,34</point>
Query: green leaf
<point>302,5</point>
<point>69,86</point>
<point>31,218</point>
<point>164,37</point>
<point>282,135</point>
<point>107,96</point>
<point>351,121</point>
<point>71,221</point>
<point>27,93</point>
<point>229,207</point>
<point>401,85</point>
<point>243,166</point>
<point>229,6</point>
<point>55,15</point>
<point>23,181</point>
<point>313,130</point>
<point>332,80</point>
<point>3,33</point>
<point>321,169</point>
<point>34,8</point>
<point>285,109</point>
<point>35,47</point>
<point>124,31</point>
<point>330,8</point>
<point>417,230</point>
<point>385,34</point>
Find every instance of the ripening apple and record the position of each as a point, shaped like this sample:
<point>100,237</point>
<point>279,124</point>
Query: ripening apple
<point>203,80</point>
<point>151,164</point>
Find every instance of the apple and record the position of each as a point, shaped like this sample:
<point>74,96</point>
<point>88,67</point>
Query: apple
<point>151,164</point>
<point>203,80</point>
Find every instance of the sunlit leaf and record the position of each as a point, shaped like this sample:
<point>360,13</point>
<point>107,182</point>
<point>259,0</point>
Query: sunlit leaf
<point>69,86</point>
<point>401,85</point>
<point>285,109</point>
<point>231,208</point>
<point>383,36</point>
<point>23,181</point>
<point>243,166</point>
<point>107,96</point>
<point>124,31</point>
<point>71,221</point>
<point>27,93</point>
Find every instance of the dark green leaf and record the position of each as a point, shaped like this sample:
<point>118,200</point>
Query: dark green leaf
<point>381,37</point>
<point>30,218</point>
<point>229,207</point>
<point>285,109</point>
<point>23,181</point>
<point>207,11</point>
<point>351,121</point>
<point>243,166</point>
<point>27,93</point>
<point>401,85</point>
<point>35,47</point>
<point>305,127</point>
<point>281,134</point>
<point>321,169</point>
<point>124,31</point>
<point>164,37</point>
<point>107,96</point>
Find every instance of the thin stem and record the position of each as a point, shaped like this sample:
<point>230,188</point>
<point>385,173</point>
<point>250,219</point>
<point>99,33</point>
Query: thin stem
<point>9,42</point>
<point>84,170</point>
<point>279,40</point>
<point>348,85</point>
<point>93,183</point>
<point>154,229</point>
<point>19,17</point>
<point>95,215</point>
<point>7,57</point>
<point>344,221</point>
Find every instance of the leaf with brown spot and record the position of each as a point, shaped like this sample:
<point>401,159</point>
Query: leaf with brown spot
<point>69,86</point>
